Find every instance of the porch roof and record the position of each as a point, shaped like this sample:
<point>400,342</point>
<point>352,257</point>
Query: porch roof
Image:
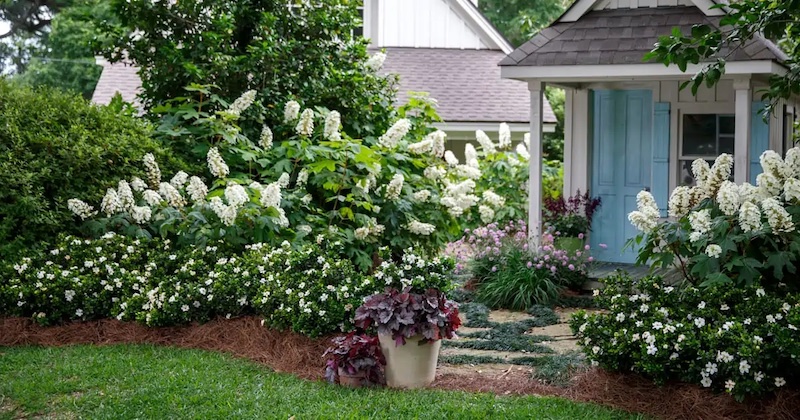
<point>623,36</point>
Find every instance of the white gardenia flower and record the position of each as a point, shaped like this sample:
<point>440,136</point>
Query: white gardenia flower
<point>227,214</point>
<point>728,198</point>
<point>137,184</point>
<point>465,171</point>
<point>111,204</point>
<point>197,189</point>
<point>171,194</point>
<point>332,122</point>
<point>779,382</point>
<point>236,194</point>
<point>152,170</point>
<point>179,180</point>
<point>291,111</point>
<point>471,155</point>
<point>680,202</point>
<point>493,199</point>
<point>375,61</point>
<point>713,251</point>
<point>141,214</point>
<point>152,198</point>
<point>522,151</point>
<point>305,126</point>
<point>265,140</point>
<point>80,208</point>
<point>486,143</point>
<point>778,218</point>
<point>420,228</point>
<point>706,381</point>
<point>242,103</point>
<point>791,190</point>
<point>395,133</point>
<point>744,367</point>
<point>749,217</point>
<point>450,158</point>
<point>395,187</point>
<point>422,196</point>
<point>216,164</point>
<point>729,385</point>
<point>271,195</point>
<point>125,195</point>
<point>486,213</point>
<point>504,139</point>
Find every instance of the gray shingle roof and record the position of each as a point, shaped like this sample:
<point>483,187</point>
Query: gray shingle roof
<point>115,78</point>
<point>622,36</point>
<point>466,84</point>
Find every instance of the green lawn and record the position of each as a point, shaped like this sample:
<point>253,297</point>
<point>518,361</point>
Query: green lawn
<point>156,382</point>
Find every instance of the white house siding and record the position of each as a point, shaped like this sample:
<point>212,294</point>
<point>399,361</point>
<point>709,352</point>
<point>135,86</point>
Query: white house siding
<point>421,24</point>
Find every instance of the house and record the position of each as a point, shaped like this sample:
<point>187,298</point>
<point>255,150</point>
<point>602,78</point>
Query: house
<point>446,48</point>
<point>628,125</point>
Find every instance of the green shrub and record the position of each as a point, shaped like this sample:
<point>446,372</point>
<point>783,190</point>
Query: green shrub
<point>511,284</point>
<point>742,340</point>
<point>55,146</point>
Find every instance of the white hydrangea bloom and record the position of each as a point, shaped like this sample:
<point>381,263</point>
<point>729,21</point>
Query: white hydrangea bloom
<point>197,189</point>
<point>791,165</point>
<point>125,195</point>
<point>420,228</point>
<point>680,202</point>
<point>422,196</point>
<point>306,199</point>
<point>302,177</point>
<point>471,155</point>
<point>227,214</point>
<point>713,251</point>
<point>791,190</point>
<point>152,170</point>
<point>527,139</point>
<point>421,147</point>
<point>728,198</point>
<point>437,139</point>
<point>171,194</point>
<point>152,198</point>
<point>179,179</point>
<point>141,214</point>
<point>466,171</point>
<point>720,172</point>
<point>486,143</point>
<point>522,151</point>
<point>305,126</point>
<point>284,180</point>
<point>332,122</point>
<point>137,184</point>
<point>291,111</point>
<point>458,197</point>
<point>434,173</point>
<point>361,233</point>
<point>395,133</point>
<point>642,221</point>
<point>768,185</point>
<point>450,158</point>
<point>493,199</point>
<point>242,103</point>
<point>282,222</point>
<point>375,61</point>
<point>236,195</point>
<point>504,140</point>
<point>80,208</point>
<point>772,163</point>
<point>748,192</point>
<point>486,213</point>
<point>216,164</point>
<point>265,140</point>
<point>363,185</point>
<point>700,221</point>
<point>271,195</point>
<point>646,217</point>
<point>778,218</point>
<point>749,217</point>
<point>111,204</point>
<point>395,187</point>
<point>701,172</point>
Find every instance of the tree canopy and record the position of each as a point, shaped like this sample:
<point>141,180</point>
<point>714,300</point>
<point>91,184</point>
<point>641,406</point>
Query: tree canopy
<point>519,20</point>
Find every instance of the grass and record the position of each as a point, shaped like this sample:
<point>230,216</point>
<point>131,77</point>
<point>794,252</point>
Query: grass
<point>139,381</point>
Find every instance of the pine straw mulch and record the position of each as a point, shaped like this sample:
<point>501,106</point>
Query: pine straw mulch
<point>301,356</point>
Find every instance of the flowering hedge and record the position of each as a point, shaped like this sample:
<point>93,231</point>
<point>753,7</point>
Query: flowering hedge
<point>741,340</point>
<point>309,290</point>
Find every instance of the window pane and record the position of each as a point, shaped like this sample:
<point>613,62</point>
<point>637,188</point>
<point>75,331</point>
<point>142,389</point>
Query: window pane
<point>700,134</point>
<point>727,125</point>
<point>726,145</point>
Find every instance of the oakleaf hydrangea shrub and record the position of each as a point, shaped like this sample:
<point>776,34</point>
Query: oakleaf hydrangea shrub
<point>742,340</point>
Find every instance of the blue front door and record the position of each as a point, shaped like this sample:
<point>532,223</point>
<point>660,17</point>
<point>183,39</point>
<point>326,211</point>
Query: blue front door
<point>621,159</point>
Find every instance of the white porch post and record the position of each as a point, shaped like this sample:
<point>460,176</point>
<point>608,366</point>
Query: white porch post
<point>741,149</point>
<point>536,88</point>
<point>569,103</point>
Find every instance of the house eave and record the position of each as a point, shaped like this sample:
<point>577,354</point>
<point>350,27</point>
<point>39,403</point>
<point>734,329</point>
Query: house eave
<point>467,126</point>
<point>626,72</point>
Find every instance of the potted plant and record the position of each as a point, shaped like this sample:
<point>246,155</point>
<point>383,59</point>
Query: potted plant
<point>410,329</point>
<point>355,360</point>
<point>570,220</point>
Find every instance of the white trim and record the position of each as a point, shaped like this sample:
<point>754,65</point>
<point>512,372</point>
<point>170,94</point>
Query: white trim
<point>743,94</point>
<point>490,126</point>
<point>488,31</point>
<point>536,89</point>
<point>581,7</point>
<point>623,72</point>
<point>569,103</point>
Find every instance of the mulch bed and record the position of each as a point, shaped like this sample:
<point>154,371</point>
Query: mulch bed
<point>301,356</point>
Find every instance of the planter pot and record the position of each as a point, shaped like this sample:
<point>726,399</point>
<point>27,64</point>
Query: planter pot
<point>352,381</point>
<point>411,365</point>
<point>569,244</point>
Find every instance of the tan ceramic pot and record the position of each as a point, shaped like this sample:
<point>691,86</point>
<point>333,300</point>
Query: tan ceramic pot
<point>411,365</point>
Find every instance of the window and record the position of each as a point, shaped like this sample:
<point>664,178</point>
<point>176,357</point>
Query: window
<point>705,136</point>
<point>359,30</point>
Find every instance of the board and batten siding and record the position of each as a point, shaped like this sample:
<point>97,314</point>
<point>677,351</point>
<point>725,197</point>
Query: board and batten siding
<point>421,24</point>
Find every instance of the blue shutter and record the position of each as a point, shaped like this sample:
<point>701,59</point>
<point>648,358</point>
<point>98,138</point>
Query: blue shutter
<point>759,139</point>
<point>661,137</point>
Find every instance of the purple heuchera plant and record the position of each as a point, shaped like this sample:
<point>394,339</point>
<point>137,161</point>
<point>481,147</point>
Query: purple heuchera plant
<point>403,314</point>
<point>355,353</point>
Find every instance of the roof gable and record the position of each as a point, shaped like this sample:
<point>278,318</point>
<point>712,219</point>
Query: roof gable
<point>581,7</point>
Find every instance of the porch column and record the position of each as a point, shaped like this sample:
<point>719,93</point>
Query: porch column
<point>536,88</point>
<point>741,150</point>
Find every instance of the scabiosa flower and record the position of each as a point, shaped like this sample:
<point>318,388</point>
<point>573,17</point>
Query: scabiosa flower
<point>216,164</point>
<point>125,195</point>
<point>433,173</point>
<point>395,187</point>
<point>265,140</point>
<point>420,228</point>
<point>141,214</point>
<point>485,142</point>
<point>226,214</point>
<point>778,218</point>
<point>471,155</point>
<point>486,213</point>
<point>80,208</point>
<point>172,195</point>
<point>152,198</point>
<point>749,217</point>
<point>395,133</point>
<point>137,184</point>
<point>271,195</point>
<point>791,189</point>
<point>375,61</point>
<point>197,189</point>
<point>493,199</point>
<point>152,170</point>
<point>465,171</point>
<point>236,194</point>
<point>728,198</point>
<point>713,251</point>
<point>291,111</point>
<point>111,204</point>
<point>332,122</point>
<point>680,202</point>
<point>422,196</point>
<point>242,103</point>
<point>305,126</point>
<point>504,140</point>
<point>522,151</point>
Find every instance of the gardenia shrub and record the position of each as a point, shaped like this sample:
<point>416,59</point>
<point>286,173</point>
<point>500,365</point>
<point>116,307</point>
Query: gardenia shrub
<point>742,340</point>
